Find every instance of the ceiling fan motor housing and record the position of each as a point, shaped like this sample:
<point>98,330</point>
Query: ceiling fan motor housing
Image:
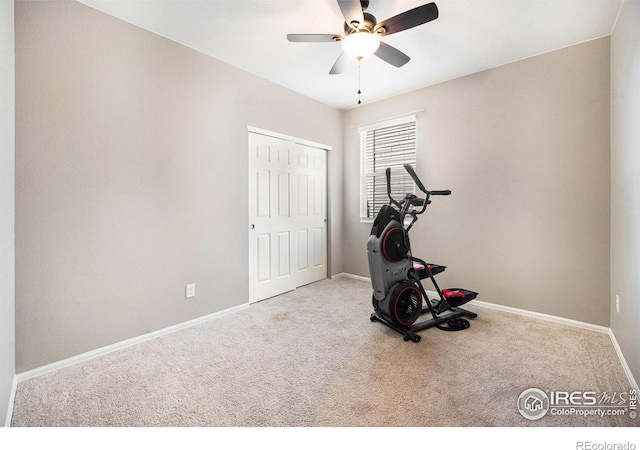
<point>369,24</point>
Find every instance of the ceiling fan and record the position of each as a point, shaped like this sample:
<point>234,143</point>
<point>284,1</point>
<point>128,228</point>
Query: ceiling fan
<point>363,32</point>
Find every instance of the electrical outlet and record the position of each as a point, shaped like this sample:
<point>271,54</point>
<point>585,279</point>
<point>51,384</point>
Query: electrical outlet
<point>190,291</point>
<point>617,303</point>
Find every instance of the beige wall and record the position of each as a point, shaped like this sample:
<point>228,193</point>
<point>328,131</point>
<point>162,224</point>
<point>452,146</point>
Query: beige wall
<point>131,179</point>
<point>625,183</point>
<point>525,149</point>
<point>7,155</point>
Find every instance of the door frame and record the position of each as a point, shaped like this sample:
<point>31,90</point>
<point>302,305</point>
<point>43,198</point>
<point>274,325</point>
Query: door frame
<point>286,137</point>
<point>308,143</point>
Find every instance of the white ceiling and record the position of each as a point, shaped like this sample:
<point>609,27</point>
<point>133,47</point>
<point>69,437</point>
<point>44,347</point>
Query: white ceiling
<point>469,36</point>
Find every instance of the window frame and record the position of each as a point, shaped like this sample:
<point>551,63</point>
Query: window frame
<point>362,132</point>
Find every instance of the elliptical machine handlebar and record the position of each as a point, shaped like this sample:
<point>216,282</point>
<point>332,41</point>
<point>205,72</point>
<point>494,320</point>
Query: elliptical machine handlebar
<point>415,201</point>
<point>413,174</point>
<point>391,199</point>
<point>411,199</point>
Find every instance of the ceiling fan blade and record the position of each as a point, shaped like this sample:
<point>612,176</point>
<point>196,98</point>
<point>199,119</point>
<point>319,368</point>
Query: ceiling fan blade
<point>352,12</point>
<point>409,19</point>
<point>340,64</point>
<point>313,37</point>
<point>391,55</point>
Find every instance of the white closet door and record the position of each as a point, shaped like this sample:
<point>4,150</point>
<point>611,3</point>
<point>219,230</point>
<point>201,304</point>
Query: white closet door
<point>310,213</point>
<point>287,216</point>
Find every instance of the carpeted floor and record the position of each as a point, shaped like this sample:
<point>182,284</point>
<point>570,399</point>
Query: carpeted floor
<point>312,358</point>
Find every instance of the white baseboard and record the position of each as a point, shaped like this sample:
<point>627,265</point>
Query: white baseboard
<point>123,344</point>
<point>350,275</point>
<point>623,361</point>
<point>12,398</point>
<point>537,315</point>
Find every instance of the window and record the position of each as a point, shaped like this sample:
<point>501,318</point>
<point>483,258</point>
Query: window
<point>385,144</point>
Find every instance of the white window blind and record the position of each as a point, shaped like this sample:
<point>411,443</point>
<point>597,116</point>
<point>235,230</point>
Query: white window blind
<point>387,145</point>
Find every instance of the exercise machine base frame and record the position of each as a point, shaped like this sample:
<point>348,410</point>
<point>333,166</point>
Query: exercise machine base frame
<point>410,333</point>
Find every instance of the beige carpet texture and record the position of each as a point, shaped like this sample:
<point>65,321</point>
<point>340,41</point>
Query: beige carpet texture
<point>312,358</point>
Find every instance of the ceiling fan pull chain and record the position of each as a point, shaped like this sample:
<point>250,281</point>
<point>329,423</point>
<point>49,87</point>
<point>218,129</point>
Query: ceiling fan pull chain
<point>359,92</point>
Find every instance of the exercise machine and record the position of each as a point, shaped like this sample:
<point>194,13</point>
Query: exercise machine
<point>399,298</point>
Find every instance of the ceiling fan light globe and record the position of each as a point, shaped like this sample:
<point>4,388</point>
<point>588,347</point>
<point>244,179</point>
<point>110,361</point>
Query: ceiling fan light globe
<point>360,45</point>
